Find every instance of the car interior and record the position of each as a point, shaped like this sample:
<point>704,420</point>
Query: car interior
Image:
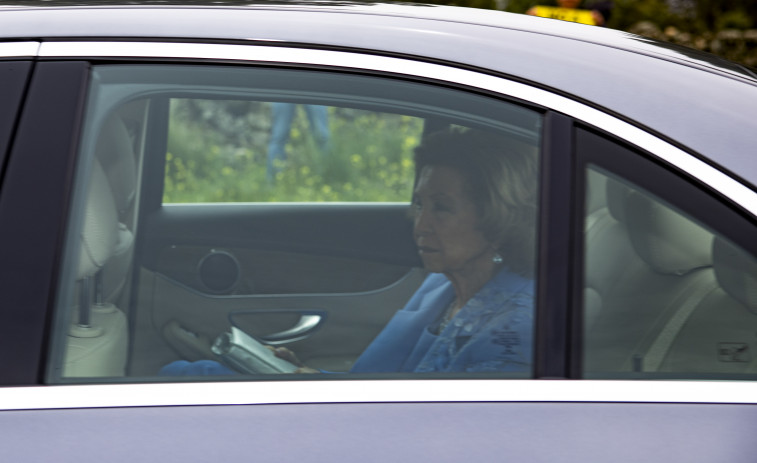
<point>663,293</point>
<point>319,277</point>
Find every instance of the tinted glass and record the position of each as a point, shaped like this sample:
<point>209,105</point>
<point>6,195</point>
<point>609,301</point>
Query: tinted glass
<point>232,150</point>
<point>224,212</point>
<point>666,295</point>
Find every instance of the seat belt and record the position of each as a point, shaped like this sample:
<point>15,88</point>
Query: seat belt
<point>660,347</point>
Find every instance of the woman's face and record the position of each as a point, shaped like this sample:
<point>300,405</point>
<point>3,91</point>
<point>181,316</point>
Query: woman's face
<point>446,227</point>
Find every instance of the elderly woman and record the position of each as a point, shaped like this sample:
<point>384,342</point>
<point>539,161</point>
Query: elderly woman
<point>474,221</point>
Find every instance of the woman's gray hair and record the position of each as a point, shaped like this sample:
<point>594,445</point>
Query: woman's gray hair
<point>501,176</point>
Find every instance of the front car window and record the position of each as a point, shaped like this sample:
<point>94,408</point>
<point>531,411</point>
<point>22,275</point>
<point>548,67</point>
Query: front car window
<point>352,224</point>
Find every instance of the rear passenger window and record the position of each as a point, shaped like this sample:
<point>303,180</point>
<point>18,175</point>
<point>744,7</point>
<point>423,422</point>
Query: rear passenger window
<point>276,151</point>
<point>666,294</point>
<point>244,223</point>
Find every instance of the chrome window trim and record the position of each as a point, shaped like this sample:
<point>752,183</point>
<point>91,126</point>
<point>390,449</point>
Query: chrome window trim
<point>370,391</point>
<point>729,187</point>
<point>19,49</point>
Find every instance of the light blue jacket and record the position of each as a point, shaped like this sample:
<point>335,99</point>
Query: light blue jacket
<point>492,332</point>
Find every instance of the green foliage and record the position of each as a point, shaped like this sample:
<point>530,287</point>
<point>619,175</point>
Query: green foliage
<point>521,6</point>
<point>629,12</point>
<point>370,160</point>
<point>734,19</point>
<point>715,15</point>
<point>697,16</point>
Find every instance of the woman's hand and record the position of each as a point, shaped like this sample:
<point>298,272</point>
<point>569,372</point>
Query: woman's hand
<point>286,354</point>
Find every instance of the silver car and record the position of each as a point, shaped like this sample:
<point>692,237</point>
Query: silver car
<point>192,192</point>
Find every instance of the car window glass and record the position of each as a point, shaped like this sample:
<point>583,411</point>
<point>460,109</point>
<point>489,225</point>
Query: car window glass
<point>665,295</point>
<point>193,253</point>
<point>236,150</point>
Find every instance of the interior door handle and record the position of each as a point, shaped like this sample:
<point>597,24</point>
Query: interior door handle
<point>301,330</point>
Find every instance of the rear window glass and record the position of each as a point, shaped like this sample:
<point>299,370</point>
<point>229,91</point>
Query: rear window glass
<point>256,223</point>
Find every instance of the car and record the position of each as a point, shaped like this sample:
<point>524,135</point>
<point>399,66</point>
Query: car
<point>183,181</point>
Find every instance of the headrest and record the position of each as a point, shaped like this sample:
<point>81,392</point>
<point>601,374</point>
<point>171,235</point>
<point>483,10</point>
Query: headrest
<point>616,199</point>
<point>595,191</point>
<point>116,153</point>
<point>99,233</point>
<point>736,271</point>
<point>666,240</point>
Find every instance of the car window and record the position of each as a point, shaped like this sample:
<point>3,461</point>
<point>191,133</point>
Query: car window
<point>666,291</point>
<point>241,151</point>
<point>225,212</point>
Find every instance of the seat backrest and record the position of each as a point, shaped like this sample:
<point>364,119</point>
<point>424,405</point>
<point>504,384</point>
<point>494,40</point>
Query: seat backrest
<point>115,151</point>
<point>96,344</point>
<point>99,234</point>
<point>644,265</point>
<point>719,335</point>
<point>607,244</point>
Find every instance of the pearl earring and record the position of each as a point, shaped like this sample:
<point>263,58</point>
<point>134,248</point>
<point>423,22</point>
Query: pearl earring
<point>496,258</point>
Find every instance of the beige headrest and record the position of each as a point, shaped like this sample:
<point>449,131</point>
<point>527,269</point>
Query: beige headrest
<point>666,240</point>
<point>736,271</point>
<point>596,186</point>
<point>115,151</point>
<point>617,193</point>
<point>99,233</point>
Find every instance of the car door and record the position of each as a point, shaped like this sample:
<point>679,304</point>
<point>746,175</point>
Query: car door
<point>186,272</point>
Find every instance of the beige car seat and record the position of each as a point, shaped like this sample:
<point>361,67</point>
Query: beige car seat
<point>718,334</point>
<point>646,264</point>
<point>97,341</point>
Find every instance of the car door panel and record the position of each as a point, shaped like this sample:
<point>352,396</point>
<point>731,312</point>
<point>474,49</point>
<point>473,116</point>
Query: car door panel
<point>350,263</point>
<point>349,234</point>
<point>188,321</point>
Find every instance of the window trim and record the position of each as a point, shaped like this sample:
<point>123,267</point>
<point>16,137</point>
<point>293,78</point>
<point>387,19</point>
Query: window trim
<point>16,77</point>
<point>19,49</point>
<point>556,225</point>
<point>372,391</point>
<point>38,222</point>
<point>740,194</point>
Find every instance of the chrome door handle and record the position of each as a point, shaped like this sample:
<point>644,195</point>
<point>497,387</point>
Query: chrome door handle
<point>301,330</point>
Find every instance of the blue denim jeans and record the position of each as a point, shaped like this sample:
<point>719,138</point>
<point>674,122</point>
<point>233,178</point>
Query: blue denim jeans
<point>282,117</point>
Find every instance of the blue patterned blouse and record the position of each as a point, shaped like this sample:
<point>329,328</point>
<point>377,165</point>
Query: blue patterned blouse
<point>492,332</point>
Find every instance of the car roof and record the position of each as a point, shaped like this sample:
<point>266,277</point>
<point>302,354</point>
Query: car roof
<point>699,101</point>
